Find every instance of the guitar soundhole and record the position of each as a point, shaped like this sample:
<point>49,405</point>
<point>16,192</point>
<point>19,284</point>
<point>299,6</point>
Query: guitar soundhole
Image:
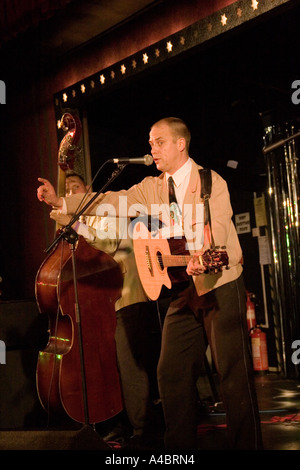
<point>160,260</point>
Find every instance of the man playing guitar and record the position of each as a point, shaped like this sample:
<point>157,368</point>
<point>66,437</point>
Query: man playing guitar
<point>212,301</point>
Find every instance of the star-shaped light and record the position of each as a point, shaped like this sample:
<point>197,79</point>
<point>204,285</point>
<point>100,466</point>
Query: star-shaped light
<point>239,12</point>
<point>223,19</point>
<point>82,88</point>
<point>254,4</point>
<point>145,58</point>
<point>65,97</point>
<point>112,74</point>
<point>169,46</point>
<point>123,69</point>
<point>73,93</point>
<point>157,52</point>
<point>102,79</point>
<point>133,63</point>
<point>92,84</point>
<point>182,40</point>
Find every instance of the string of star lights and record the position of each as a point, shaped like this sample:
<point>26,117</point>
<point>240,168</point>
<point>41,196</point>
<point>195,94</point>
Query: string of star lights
<point>205,29</point>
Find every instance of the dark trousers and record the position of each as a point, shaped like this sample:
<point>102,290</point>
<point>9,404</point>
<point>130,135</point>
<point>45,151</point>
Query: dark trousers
<point>222,312</point>
<point>138,337</point>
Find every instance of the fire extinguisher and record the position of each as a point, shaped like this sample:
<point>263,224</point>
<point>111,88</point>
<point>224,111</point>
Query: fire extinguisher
<point>251,317</point>
<point>259,350</point>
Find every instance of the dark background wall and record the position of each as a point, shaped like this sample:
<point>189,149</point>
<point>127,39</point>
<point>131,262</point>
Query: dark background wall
<point>36,62</point>
<point>227,90</point>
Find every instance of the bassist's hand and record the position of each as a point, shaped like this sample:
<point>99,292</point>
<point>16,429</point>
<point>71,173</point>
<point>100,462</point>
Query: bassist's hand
<point>61,219</point>
<point>47,194</point>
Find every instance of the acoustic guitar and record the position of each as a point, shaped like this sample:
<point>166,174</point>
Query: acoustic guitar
<point>158,260</point>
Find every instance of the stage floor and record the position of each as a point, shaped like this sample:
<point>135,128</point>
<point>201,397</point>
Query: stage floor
<point>279,404</point>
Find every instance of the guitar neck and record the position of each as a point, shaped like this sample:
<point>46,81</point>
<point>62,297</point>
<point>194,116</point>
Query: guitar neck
<point>175,260</point>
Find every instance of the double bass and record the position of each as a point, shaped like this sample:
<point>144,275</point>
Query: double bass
<point>77,372</point>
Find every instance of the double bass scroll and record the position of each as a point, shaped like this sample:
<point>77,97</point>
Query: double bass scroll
<point>68,149</point>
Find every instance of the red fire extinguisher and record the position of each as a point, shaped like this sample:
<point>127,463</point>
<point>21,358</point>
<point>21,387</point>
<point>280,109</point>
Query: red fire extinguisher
<point>251,317</point>
<point>259,350</point>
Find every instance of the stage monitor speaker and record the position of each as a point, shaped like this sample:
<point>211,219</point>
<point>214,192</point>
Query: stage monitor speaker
<point>84,439</point>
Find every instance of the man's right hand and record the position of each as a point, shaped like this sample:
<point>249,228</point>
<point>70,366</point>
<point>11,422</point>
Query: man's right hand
<point>47,194</point>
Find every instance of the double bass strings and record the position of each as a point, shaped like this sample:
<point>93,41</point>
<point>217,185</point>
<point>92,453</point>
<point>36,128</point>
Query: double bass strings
<point>55,339</point>
<point>81,204</point>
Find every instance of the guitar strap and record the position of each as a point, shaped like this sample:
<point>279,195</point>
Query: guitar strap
<point>206,182</point>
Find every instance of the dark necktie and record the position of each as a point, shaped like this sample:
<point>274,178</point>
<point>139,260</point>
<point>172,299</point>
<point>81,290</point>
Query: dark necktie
<point>172,195</point>
<point>175,213</point>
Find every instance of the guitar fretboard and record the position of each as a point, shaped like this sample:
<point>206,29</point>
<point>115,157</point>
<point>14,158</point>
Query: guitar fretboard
<point>174,260</point>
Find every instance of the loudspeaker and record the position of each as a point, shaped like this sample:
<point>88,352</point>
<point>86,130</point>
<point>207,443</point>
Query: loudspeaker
<point>84,439</point>
<point>21,324</point>
<point>24,331</point>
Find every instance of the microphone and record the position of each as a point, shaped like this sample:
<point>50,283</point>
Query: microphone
<point>145,160</point>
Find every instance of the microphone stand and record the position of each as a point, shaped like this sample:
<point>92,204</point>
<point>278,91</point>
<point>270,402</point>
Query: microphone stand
<point>71,237</point>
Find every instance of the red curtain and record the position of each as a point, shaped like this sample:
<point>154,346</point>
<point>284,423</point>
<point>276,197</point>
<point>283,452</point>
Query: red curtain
<point>17,16</point>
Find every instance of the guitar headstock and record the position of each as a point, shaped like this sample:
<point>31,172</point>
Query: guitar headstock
<point>215,260</point>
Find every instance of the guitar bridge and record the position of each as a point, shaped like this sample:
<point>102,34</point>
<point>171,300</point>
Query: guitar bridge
<point>148,260</point>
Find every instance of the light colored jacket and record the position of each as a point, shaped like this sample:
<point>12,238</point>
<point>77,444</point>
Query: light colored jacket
<point>153,190</point>
<point>121,250</point>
